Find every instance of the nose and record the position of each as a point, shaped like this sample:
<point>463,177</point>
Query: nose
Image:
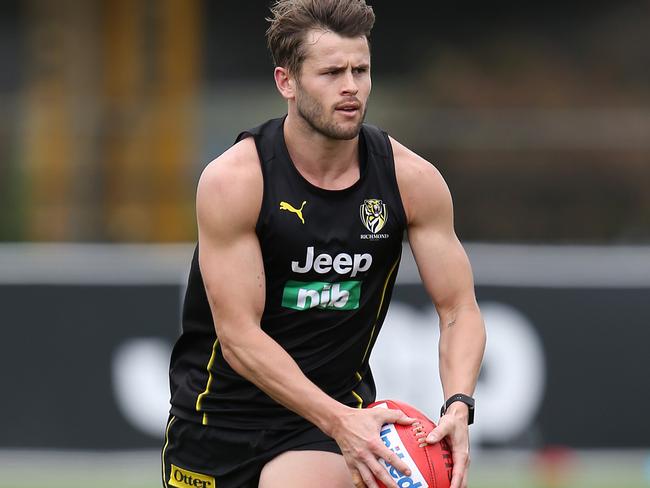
<point>349,84</point>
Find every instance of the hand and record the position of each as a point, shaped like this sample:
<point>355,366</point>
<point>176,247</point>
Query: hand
<point>357,434</point>
<point>453,426</point>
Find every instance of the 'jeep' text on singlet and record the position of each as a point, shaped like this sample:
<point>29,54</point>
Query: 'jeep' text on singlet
<point>330,261</point>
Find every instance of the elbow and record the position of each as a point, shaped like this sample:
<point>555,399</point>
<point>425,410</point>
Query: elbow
<point>229,354</point>
<point>237,347</point>
<point>230,349</point>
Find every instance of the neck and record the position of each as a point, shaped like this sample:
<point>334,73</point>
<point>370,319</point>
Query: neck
<point>323,161</point>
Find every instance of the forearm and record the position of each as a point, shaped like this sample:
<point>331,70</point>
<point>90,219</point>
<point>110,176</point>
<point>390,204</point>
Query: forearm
<point>462,343</point>
<point>261,360</point>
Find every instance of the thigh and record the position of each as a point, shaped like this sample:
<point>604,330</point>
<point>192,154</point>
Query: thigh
<point>306,468</point>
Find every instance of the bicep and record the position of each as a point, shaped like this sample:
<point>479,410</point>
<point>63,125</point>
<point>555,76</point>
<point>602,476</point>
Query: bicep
<point>230,257</point>
<point>233,275</point>
<point>443,266</point>
<point>439,255</point>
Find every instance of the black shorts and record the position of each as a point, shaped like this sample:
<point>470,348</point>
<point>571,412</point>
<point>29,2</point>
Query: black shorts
<point>196,455</point>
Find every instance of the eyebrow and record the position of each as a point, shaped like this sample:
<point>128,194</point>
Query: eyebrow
<point>334,67</point>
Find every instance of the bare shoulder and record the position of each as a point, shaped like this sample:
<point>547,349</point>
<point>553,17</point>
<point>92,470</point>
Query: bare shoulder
<point>238,166</point>
<point>425,193</point>
<point>230,188</point>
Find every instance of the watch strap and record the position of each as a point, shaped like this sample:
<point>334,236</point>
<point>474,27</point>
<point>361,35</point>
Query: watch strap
<point>460,397</point>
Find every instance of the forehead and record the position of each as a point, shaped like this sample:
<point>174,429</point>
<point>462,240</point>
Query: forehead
<point>325,47</point>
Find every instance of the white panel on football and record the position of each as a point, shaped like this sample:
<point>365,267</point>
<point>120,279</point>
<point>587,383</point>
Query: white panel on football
<point>392,441</point>
<point>140,383</point>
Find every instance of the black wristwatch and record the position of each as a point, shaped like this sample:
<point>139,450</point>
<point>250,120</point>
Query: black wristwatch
<point>460,397</point>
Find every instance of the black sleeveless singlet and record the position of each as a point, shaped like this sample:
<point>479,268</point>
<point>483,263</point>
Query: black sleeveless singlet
<point>330,260</point>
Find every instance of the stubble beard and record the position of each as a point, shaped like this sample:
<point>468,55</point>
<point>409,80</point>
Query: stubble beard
<point>313,112</point>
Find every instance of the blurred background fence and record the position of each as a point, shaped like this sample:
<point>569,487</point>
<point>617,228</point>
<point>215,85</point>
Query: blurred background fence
<point>536,113</point>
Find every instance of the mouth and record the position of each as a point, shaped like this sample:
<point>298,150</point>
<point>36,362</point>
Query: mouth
<point>348,108</point>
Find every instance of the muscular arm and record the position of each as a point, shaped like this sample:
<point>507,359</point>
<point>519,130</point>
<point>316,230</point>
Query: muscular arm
<point>447,277</point>
<point>228,203</point>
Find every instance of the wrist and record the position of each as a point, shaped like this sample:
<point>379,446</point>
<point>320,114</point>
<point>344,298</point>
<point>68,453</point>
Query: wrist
<point>332,419</point>
<point>460,406</point>
<point>458,410</point>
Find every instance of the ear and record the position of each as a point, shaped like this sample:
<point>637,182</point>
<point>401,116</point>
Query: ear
<point>285,82</point>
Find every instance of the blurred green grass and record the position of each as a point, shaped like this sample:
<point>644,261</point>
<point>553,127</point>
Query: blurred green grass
<point>141,469</point>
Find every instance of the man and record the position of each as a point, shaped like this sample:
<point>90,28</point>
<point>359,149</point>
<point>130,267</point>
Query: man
<point>300,237</point>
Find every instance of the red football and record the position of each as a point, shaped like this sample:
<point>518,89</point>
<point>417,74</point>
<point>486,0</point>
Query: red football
<point>431,465</point>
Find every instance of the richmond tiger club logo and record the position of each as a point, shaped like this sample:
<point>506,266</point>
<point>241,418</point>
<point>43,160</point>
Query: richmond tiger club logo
<point>374,216</point>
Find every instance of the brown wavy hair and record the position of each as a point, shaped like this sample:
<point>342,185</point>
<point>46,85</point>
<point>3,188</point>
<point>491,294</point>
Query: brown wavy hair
<point>292,19</point>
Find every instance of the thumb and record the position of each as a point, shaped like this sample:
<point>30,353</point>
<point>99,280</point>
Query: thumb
<point>436,435</point>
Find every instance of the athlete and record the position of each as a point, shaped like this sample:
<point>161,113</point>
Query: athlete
<point>300,235</point>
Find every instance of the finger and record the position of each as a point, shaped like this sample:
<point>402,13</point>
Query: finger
<point>455,481</point>
<point>459,471</point>
<point>465,482</point>
<point>405,420</point>
<point>379,472</point>
<point>458,481</point>
<point>368,480</point>
<point>394,416</point>
<point>394,460</point>
<point>357,480</point>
